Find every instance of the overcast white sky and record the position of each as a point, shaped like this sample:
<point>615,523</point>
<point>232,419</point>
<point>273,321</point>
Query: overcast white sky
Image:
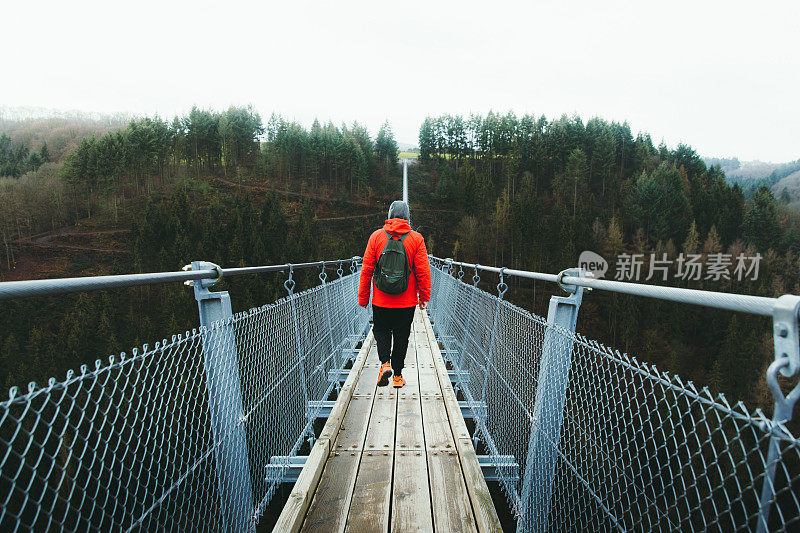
<point>721,76</point>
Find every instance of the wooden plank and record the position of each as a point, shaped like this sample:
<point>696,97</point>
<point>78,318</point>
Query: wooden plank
<point>369,372</point>
<point>483,507</point>
<point>371,502</point>
<point>411,388</point>
<point>428,380</point>
<point>332,499</point>
<point>328,510</point>
<point>457,466</point>
<point>410,372</point>
<point>356,495</point>
<point>409,434</point>
<point>434,414</point>
<point>349,388</point>
<point>411,500</point>
<point>450,503</point>
<point>438,434</point>
<point>294,511</point>
<point>372,357</point>
<point>380,435</point>
<point>353,429</point>
<point>452,510</point>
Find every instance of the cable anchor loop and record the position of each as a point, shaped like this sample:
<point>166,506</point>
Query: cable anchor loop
<point>289,283</point>
<point>784,405</point>
<point>502,287</point>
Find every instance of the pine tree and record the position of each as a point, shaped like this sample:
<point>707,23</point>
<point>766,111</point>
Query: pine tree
<point>599,234</point>
<point>760,225</point>
<point>615,243</point>
<point>572,183</point>
<point>659,205</point>
<point>40,364</point>
<point>712,244</point>
<point>692,242</point>
<point>385,146</point>
<point>737,362</point>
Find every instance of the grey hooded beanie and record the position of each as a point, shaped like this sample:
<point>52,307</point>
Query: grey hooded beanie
<point>399,209</point>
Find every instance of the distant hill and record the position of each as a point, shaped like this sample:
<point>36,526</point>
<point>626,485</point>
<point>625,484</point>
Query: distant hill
<point>31,127</point>
<point>405,147</point>
<point>750,175</point>
<point>791,184</point>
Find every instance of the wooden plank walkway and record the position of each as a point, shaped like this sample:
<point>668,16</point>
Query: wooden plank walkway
<point>393,459</point>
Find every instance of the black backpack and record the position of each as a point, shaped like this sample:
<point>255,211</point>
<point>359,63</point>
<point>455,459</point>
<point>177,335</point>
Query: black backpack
<point>392,272</point>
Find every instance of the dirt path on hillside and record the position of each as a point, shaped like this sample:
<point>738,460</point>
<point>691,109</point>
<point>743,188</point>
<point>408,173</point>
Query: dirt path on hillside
<point>276,190</point>
<point>350,217</point>
<point>319,197</point>
<point>45,240</point>
<point>383,214</point>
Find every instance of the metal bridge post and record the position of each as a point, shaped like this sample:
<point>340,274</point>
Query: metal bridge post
<point>548,408</point>
<point>225,403</point>
<point>786,336</point>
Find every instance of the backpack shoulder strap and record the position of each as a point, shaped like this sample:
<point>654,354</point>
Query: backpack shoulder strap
<point>400,238</point>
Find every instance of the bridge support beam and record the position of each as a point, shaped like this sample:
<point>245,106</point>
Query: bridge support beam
<point>323,409</point>
<point>548,408</point>
<point>493,467</point>
<point>456,376</point>
<point>225,404</point>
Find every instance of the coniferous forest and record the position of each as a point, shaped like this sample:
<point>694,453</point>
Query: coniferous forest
<point>524,192</point>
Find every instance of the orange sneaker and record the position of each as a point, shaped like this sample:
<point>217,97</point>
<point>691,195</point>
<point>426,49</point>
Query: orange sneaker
<point>384,374</point>
<point>398,381</point>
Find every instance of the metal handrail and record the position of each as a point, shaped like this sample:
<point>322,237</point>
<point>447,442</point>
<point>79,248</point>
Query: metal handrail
<point>48,287</point>
<point>757,305</point>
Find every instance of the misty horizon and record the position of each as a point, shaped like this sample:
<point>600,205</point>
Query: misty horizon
<point>20,113</point>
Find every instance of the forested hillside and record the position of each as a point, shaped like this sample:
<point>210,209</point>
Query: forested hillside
<point>524,192</point>
<point>539,192</point>
<point>155,195</point>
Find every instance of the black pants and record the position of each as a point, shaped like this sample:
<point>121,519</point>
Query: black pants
<point>388,323</point>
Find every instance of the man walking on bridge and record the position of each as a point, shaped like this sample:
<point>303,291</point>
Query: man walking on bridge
<point>397,260</point>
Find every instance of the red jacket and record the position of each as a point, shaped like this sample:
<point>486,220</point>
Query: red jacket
<point>419,282</point>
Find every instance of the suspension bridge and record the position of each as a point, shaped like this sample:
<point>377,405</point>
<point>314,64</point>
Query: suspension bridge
<point>199,431</point>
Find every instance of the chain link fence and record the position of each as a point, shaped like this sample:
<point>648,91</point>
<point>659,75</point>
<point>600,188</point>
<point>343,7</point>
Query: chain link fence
<point>131,445</point>
<point>638,449</point>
